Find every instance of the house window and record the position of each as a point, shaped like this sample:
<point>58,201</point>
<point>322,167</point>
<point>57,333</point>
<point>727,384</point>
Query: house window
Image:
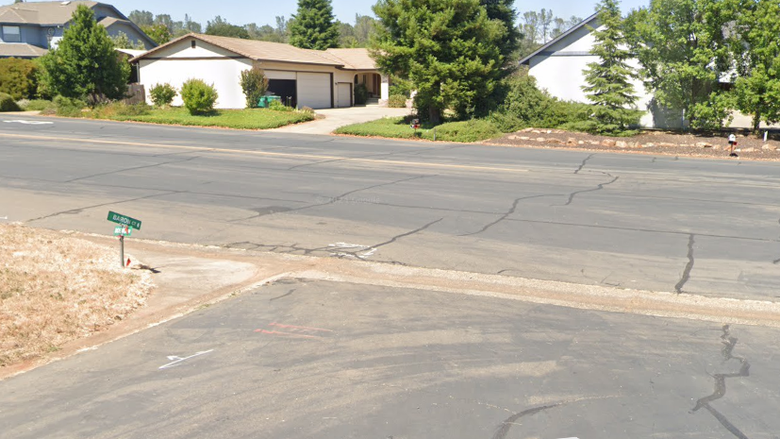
<point>193,44</point>
<point>12,34</point>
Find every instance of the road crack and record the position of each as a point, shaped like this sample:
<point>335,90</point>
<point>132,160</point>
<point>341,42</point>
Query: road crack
<point>597,188</point>
<point>404,235</point>
<point>332,200</point>
<point>729,343</point>
<point>111,203</point>
<point>508,213</point>
<point>131,169</point>
<point>582,165</point>
<point>283,295</point>
<point>510,421</point>
<point>686,275</point>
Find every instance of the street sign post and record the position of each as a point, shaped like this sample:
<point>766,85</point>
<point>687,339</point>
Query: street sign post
<point>123,231</point>
<point>125,228</point>
<point>124,220</point>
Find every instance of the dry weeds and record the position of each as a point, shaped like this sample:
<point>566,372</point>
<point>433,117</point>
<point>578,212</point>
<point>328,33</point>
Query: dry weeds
<point>55,288</point>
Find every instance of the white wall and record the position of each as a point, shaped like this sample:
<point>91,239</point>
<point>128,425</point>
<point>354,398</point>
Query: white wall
<point>224,74</point>
<point>560,70</point>
<point>217,66</point>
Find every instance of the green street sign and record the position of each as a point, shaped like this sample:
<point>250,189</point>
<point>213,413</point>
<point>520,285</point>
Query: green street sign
<point>123,231</point>
<point>124,220</point>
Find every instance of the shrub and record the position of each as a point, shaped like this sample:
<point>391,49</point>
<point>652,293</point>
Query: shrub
<point>397,101</point>
<point>279,106</point>
<point>468,131</point>
<point>18,78</point>
<point>162,94</point>
<point>118,109</point>
<point>254,84</point>
<point>69,107</point>
<point>199,97</point>
<point>38,105</point>
<point>507,123</point>
<point>7,103</point>
<point>361,94</point>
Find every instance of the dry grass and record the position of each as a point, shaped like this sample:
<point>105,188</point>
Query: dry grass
<point>55,288</point>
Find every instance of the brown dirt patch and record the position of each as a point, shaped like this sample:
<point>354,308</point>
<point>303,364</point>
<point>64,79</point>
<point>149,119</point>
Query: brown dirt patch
<point>649,142</point>
<point>55,288</point>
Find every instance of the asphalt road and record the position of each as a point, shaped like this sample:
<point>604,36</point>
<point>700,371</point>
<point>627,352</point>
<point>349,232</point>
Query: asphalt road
<point>632,221</point>
<point>326,360</point>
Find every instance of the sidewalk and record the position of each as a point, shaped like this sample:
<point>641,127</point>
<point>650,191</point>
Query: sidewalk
<point>338,117</point>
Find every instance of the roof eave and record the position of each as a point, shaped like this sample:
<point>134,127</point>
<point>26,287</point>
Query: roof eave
<point>582,24</point>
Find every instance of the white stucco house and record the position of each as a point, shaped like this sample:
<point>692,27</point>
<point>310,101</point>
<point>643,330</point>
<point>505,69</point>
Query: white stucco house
<point>559,65</point>
<point>301,77</point>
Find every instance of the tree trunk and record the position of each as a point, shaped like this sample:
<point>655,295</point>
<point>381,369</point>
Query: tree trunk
<point>434,115</point>
<point>756,122</point>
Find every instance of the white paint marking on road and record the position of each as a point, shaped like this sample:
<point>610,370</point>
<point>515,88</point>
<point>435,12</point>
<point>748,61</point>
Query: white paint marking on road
<point>369,253</point>
<point>3,217</point>
<point>348,245</point>
<point>178,360</point>
<point>29,122</point>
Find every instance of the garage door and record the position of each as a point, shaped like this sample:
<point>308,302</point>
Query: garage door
<point>344,94</point>
<point>314,90</point>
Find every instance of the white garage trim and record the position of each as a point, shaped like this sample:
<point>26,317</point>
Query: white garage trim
<point>278,74</point>
<point>315,90</point>
<point>343,94</point>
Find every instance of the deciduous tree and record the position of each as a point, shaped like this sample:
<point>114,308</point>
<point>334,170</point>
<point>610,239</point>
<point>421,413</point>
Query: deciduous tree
<point>682,48</point>
<point>222,28</point>
<point>756,52</point>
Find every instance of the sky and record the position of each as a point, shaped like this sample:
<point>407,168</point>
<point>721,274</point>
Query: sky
<point>262,12</point>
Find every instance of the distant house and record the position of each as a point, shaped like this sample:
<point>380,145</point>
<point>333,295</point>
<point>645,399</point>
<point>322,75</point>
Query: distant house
<point>559,65</point>
<point>300,77</point>
<point>28,30</point>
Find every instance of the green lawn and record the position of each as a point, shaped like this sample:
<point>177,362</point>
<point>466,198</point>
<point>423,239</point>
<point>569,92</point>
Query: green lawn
<point>240,119</point>
<point>396,127</point>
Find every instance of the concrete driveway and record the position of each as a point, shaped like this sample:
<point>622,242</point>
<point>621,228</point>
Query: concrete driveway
<point>339,117</point>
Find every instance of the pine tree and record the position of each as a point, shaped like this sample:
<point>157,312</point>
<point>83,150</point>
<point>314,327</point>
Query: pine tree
<point>85,64</point>
<point>609,79</point>
<point>314,26</point>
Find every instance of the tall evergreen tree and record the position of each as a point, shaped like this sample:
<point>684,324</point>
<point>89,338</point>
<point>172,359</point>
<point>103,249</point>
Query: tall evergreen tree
<point>85,64</point>
<point>314,26</point>
<point>608,80</point>
<point>447,49</point>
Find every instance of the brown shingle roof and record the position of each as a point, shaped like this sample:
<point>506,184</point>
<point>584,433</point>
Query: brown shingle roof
<point>20,50</point>
<point>350,59</point>
<point>256,50</point>
<point>59,12</point>
<point>354,59</point>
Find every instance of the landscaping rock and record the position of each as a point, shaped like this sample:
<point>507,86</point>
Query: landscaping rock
<point>608,143</point>
<point>768,148</point>
<point>540,139</point>
<point>648,145</point>
<point>621,144</point>
<point>666,145</point>
<point>556,141</point>
<point>525,138</point>
<point>703,145</point>
<point>750,149</point>
<point>571,141</point>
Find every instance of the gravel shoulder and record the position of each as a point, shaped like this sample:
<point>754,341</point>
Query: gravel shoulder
<point>648,142</point>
